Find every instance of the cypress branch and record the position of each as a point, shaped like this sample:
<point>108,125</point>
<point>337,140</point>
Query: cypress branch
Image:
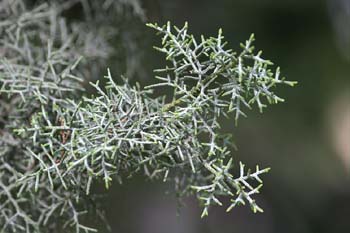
<point>61,143</point>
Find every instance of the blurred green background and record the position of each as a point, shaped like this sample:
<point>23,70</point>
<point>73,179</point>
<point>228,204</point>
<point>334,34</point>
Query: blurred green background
<point>306,140</point>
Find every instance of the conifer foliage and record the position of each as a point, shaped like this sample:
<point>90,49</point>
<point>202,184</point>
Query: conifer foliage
<point>57,142</point>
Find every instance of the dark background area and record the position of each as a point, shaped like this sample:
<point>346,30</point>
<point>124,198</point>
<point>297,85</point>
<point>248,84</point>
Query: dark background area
<point>305,140</point>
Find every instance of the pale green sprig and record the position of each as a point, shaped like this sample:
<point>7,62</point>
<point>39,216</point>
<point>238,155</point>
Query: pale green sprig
<point>64,144</point>
<point>246,78</point>
<point>125,130</point>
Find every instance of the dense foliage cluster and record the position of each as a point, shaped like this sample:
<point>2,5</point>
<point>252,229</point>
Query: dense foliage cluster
<point>40,51</point>
<point>56,143</point>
